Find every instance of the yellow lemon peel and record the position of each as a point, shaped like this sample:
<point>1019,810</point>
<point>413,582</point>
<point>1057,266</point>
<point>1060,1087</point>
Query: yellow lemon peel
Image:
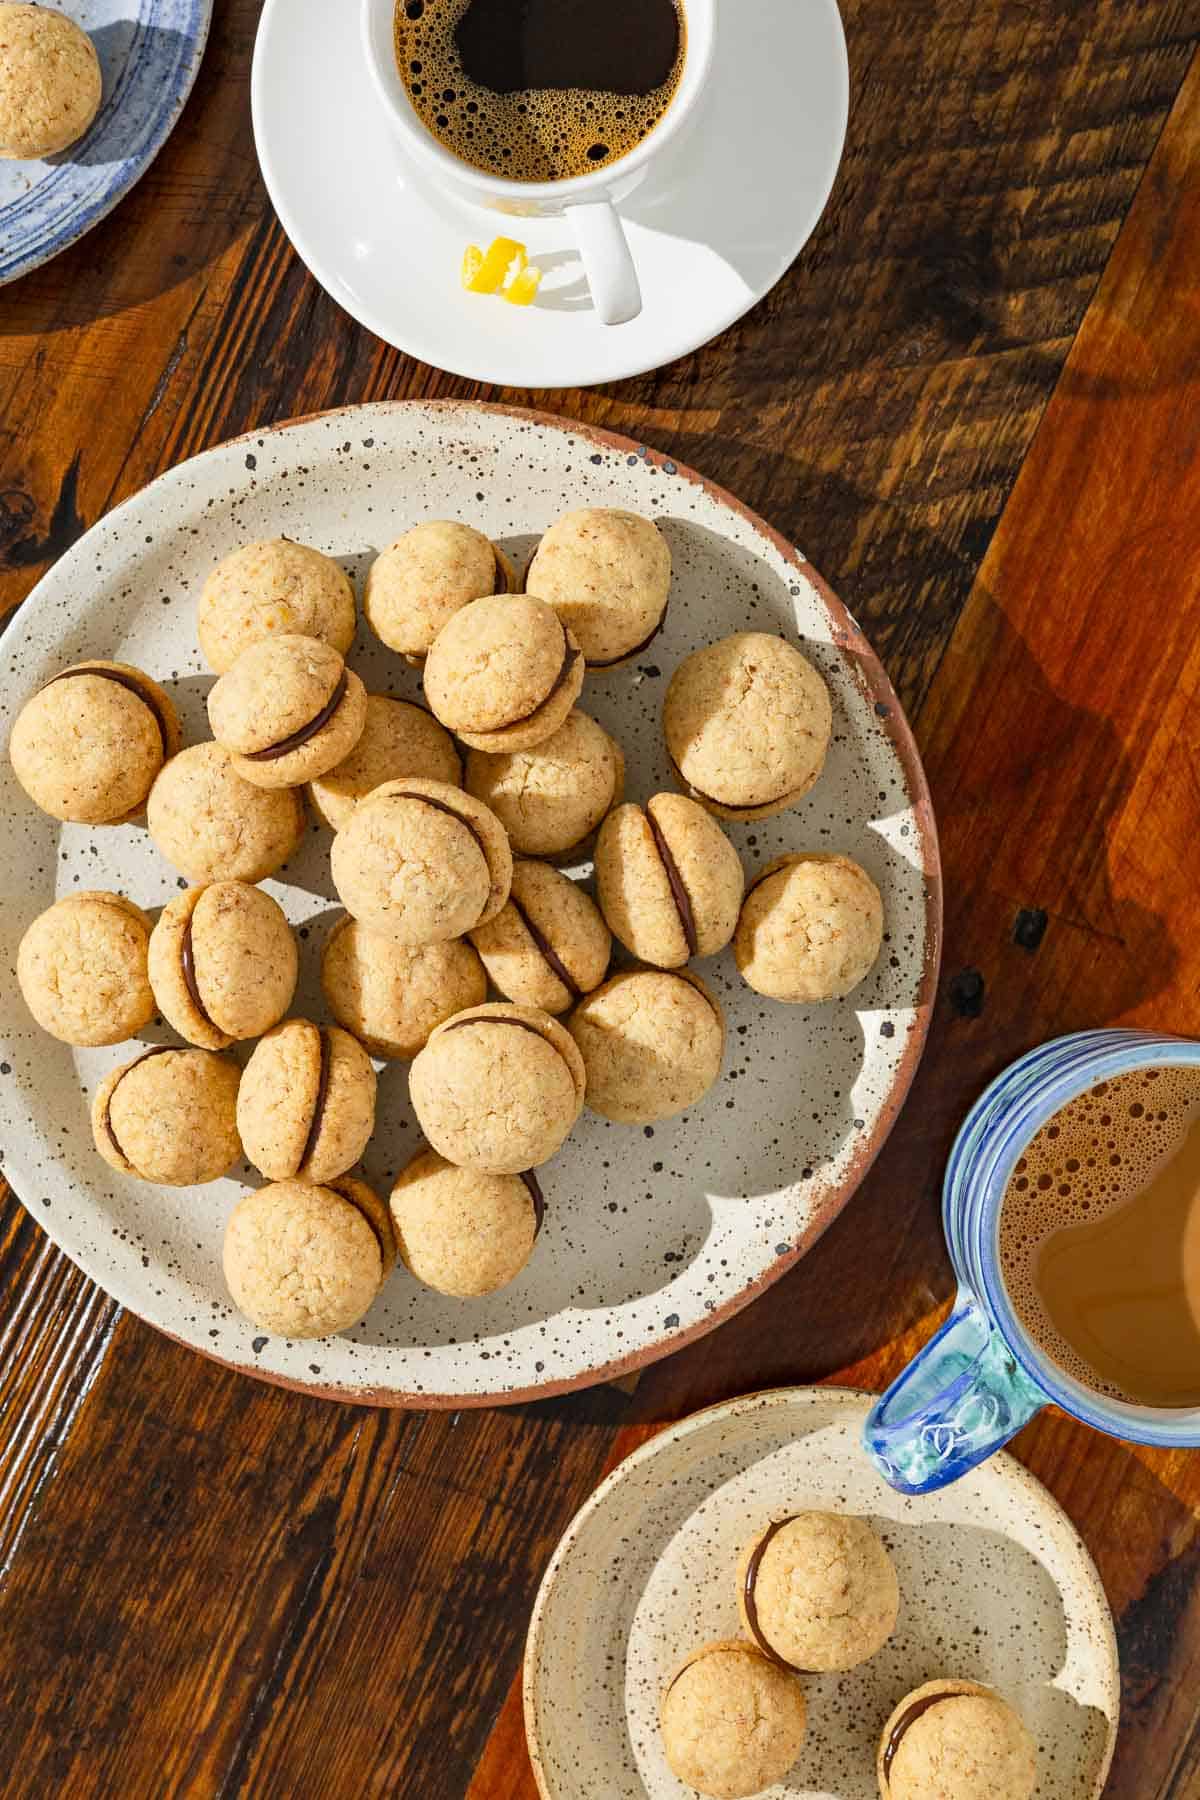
<point>502,269</point>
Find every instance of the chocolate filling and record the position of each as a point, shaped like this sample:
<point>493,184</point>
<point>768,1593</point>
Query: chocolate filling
<point>546,951</point>
<point>318,1117</point>
<point>750,1601</point>
<point>146,695</point>
<point>907,1719</point>
<point>109,1133</point>
<point>539,1202</point>
<point>570,658</point>
<point>610,662</point>
<point>298,739</point>
<point>187,957</point>
<point>679,893</point>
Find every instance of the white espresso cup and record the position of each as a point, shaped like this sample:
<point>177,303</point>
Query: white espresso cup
<point>589,202</point>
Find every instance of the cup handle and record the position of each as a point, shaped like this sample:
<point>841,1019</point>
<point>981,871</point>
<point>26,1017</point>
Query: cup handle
<point>610,271</point>
<point>963,1396</point>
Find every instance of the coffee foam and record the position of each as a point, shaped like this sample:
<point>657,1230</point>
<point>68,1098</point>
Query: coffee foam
<point>537,134</point>
<point>1096,1155</point>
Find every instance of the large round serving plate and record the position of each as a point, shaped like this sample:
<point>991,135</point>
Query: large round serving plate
<point>995,1586</point>
<point>150,53</point>
<point>652,1236</point>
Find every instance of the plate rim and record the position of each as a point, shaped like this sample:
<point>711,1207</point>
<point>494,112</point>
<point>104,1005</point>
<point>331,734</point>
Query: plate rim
<point>1010,1468</point>
<point>120,188</point>
<point>343,294</point>
<point>848,638</point>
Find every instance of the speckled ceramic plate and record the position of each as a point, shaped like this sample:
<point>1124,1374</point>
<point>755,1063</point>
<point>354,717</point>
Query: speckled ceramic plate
<point>651,1237</point>
<point>149,52</point>
<point>995,1585</point>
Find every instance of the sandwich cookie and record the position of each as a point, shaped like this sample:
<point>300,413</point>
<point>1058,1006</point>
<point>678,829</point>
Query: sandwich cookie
<point>271,589</point>
<point>88,746</point>
<point>422,862</point>
<point>288,710</point>
<point>949,1740</point>
<point>503,674</point>
<point>498,1088</point>
<point>670,883</point>
<point>215,826</point>
<point>818,1592</point>
<point>747,722</point>
<point>811,928</point>
<point>460,1231</point>
<point>305,1259</point>
<point>420,581</point>
<point>399,738</point>
<point>548,946</point>
<point>652,1041</point>
<point>392,995</point>
<point>733,1722</point>
<point>81,967</point>
<point>307,1102</point>
<point>551,798</point>
<point>607,574</point>
<point>169,1117</point>
<point>223,963</point>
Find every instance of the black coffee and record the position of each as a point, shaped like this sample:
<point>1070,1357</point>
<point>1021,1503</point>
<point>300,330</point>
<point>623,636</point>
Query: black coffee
<point>539,90</point>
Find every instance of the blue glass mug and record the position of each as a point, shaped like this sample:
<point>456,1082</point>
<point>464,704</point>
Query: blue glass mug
<point>983,1376</point>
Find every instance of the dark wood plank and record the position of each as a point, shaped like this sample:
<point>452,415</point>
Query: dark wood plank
<point>212,1588</point>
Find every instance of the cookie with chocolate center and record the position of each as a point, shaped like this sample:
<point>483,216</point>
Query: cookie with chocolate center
<point>213,825</point>
<point>732,1721</point>
<point>503,673</point>
<point>548,946</point>
<point>607,574</point>
<point>950,1738</point>
<point>670,882</point>
<point>462,1232</point>
<point>169,1117</point>
<point>652,1042</point>
<point>88,746</point>
<point>421,581</point>
<point>287,711</point>
<point>307,1102</point>
<point>305,1259</point>
<point>222,963</point>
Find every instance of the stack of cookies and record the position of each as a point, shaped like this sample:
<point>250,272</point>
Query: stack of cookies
<point>449,825</point>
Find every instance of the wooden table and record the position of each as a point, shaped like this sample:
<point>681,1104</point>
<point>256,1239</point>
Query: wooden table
<point>975,402</point>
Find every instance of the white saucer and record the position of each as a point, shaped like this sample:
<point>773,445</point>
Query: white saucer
<point>712,229</point>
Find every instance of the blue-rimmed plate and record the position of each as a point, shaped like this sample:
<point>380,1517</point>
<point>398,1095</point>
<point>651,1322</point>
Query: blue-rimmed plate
<point>149,53</point>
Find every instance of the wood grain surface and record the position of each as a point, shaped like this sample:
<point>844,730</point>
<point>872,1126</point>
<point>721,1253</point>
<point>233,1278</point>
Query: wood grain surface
<point>982,423</point>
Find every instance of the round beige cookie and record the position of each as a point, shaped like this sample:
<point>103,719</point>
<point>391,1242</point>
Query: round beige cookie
<point>503,673</point>
<point>607,574</point>
<point>733,1722</point>
<point>223,963</point>
<point>81,966</point>
<point>288,710</point>
<point>302,1260</point>
<point>747,722</point>
<point>88,745</point>
<point>652,1041</point>
<point>811,928</point>
<point>50,82</point>
<point>392,995</point>
<point>548,946</point>
<point>306,1106</point>
<point>955,1740</point>
<point>267,589</point>
<point>551,798</point>
<point>462,1232</point>
<point>399,739</point>
<point>818,1591</point>
<point>669,881</point>
<point>422,862</point>
<point>420,581</point>
<point>170,1117</point>
<point>498,1088</point>
<point>215,826</point>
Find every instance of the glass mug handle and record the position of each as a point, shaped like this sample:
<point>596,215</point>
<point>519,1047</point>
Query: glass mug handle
<point>962,1397</point>
<point>611,275</point>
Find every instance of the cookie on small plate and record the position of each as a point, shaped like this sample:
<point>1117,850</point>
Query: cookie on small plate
<point>811,928</point>
<point>818,1591</point>
<point>268,589</point>
<point>50,81</point>
<point>82,968</point>
<point>392,995</point>
<point>503,673</point>
<point>398,739</point>
<point>951,1738</point>
<point>548,946</point>
<point>169,1117</point>
<point>420,581</point>
<point>222,963</point>
<point>652,1041</point>
<point>287,711</point>
<point>213,825</point>
<point>607,574</point>
<point>551,798</point>
<point>303,1259</point>
<point>460,1231</point>
<point>733,1722</point>
<point>88,746</point>
<point>306,1106</point>
<point>669,881</point>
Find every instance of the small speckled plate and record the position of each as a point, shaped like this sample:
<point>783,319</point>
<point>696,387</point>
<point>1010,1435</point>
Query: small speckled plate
<point>652,1236</point>
<point>995,1585</point>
